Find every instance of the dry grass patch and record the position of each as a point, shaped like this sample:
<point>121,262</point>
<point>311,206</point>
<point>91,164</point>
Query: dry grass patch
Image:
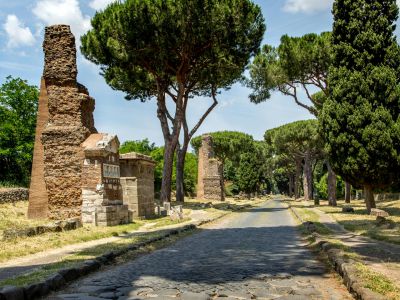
<point>362,223</point>
<point>308,215</point>
<point>91,253</point>
<point>14,216</point>
<point>378,282</point>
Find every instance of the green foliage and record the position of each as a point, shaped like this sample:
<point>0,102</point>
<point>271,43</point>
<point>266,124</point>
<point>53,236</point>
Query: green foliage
<point>145,47</point>
<point>18,109</point>
<point>190,174</point>
<point>227,145</point>
<point>177,49</point>
<point>287,147</point>
<point>298,63</point>
<point>293,140</point>
<point>360,119</point>
<point>142,146</point>
<point>321,187</point>
<point>249,172</point>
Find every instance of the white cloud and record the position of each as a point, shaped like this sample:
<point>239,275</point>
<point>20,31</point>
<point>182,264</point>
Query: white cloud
<point>17,34</point>
<point>100,4</point>
<point>307,6</point>
<point>67,12</point>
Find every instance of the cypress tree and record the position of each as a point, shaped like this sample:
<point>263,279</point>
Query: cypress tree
<point>360,119</point>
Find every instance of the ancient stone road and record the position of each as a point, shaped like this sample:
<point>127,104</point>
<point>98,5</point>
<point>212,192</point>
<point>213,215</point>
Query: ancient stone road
<point>252,255</point>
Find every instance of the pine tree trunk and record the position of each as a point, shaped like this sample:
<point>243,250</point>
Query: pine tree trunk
<point>347,192</point>
<point>170,140</point>
<point>296,181</point>
<point>180,172</point>
<point>291,185</point>
<point>369,198</point>
<point>165,195</point>
<point>331,186</point>
<point>307,178</point>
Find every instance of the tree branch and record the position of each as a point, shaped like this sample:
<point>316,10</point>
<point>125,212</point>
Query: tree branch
<point>294,96</point>
<point>215,103</point>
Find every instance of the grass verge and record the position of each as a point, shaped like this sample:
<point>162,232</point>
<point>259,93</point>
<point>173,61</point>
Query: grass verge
<point>378,282</point>
<point>362,223</point>
<point>91,253</point>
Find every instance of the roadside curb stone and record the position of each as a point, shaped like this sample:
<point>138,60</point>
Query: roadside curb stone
<point>66,276</point>
<point>343,266</point>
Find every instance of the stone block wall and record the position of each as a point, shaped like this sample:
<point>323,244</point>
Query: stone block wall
<point>210,184</point>
<point>137,181</point>
<point>101,188</point>
<point>11,195</point>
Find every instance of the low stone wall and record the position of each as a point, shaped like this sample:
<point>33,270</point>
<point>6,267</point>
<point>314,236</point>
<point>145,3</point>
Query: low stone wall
<point>387,196</point>
<point>57,226</point>
<point>11,195</point>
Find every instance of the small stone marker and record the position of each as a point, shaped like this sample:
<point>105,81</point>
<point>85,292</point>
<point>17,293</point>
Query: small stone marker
<point>176,213</point>
<point>347,209</point>
<point>379,213</point>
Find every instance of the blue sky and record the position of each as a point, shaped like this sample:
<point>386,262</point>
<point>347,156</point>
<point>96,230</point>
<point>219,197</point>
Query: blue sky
<point>22,25</point>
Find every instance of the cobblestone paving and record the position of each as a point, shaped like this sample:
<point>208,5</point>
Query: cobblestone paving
<point>254,255</point>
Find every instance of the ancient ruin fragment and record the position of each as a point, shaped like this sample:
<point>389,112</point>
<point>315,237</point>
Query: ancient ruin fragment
<point>137,180</point>
<point>210,183</point>
<point>72,164</point>
<point>101,188</point>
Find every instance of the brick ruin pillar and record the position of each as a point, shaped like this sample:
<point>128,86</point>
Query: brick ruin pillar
<point>210,182</point>
<point>37,193</point>
<point>68,124</point>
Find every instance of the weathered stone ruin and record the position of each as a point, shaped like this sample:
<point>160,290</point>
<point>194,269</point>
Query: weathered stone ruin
<point>210,183</point>
<point>101,188</point>
<point>76,171</point>
<point>65,120</point>
<point>137,180</point>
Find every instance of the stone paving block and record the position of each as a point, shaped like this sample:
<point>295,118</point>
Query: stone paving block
<point>194,296</point>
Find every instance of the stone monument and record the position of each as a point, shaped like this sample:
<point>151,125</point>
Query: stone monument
<point>137,180</point>
<point>101,188</point>
<point>65,120</point>
<point>62,162</point>
<point>210,183</point>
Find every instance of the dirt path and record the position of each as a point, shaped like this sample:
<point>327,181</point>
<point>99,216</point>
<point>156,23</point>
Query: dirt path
<point>380,256</point>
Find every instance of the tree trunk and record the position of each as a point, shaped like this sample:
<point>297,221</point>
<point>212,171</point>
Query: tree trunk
<point>180,170</point>
<point>165,195</point>
<point>291,185</point>
<point>170,139</point>
<point>307,178</point>
<point>369,198</point>
<point>331,186</point>
<point>296,180</point>
<point>347,192</point>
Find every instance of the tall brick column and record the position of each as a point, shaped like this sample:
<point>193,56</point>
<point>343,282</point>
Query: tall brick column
<point>70,122</point>
<point>210,183</point>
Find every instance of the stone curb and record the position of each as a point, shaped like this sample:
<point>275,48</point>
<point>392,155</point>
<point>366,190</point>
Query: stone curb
<point>66,276</point>
<point>343,266</point>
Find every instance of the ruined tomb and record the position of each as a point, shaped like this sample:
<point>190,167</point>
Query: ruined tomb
<point>210,182</point>
<point>101,188</point>
<point>65,121</point>
<point>137,180</point>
